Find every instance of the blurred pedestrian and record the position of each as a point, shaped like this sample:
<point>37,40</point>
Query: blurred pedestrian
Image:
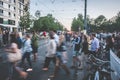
<point>13,37</point>
<point>4,38</point>
<point>13,56</point>
<point>76,47</point>
<point>7,36</point>
<point>34,41</point>
<point>61,57</point>
<point>1,40</point>
<point>85,45</point>
<point>18,41</point>
<point>51,51</point>
<point>109,45</point>
<point>27,50</point>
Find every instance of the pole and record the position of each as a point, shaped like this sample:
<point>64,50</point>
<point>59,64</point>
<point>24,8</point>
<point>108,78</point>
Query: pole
<point>85,14</point>
<point>85,28</point>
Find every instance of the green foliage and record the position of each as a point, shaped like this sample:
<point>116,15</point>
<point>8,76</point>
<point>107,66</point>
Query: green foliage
<point>102,24</point>
<point>25,21</point>
<point>47,23</point>
<point>77,23</point>
<point>100,20</point>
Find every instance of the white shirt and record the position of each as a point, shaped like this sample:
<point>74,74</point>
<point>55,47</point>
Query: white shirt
<point>56,38</point>
<point>94,44</point>
<point>51,48</point>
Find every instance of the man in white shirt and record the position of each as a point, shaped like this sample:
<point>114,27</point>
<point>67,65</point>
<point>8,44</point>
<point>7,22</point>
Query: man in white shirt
<point>51,51</point>
<point>56,37</point>
<point>94,44</point>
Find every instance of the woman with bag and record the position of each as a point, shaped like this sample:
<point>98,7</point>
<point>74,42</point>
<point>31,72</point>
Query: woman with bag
<point>13,56</point>
<point>61,57</point>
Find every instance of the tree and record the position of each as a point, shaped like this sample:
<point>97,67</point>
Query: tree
<point>77,23</point>
<point>118,22</point>
<point>25,21</point>
<point>100,20</point>
<point>47,23</point>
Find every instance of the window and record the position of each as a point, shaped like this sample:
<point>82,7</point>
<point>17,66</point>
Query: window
<point>5,21</point>
<point>14,1</point>
<point>1,20</point>
<point>9,14</point>
<point>1,12</point>
<point>19,5</point>
<point>14,15</point>
<point>14,8</point>
<point>11,22</point>
<point>21,1</point>
<point>8,6</point>
<point>1,3</point>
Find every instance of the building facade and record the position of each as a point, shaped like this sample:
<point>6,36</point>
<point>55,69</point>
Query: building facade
<point>10,12</point>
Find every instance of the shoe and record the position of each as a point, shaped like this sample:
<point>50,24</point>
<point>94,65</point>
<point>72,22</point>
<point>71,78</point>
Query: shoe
<point>80,68</point>
<point>29,69</point>
<point>52,76</point>
<point>45,69</point>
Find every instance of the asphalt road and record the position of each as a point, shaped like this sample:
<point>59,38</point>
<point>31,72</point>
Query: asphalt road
<point>39,74</point>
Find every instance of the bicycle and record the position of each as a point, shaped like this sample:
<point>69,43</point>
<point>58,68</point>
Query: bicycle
<point>100,70</point>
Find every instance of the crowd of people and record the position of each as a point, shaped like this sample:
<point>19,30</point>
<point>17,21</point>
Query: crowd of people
<point>21,49</point>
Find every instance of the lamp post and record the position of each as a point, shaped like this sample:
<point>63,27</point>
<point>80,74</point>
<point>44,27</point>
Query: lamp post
<point>37,14</point>
<point>85,14</point>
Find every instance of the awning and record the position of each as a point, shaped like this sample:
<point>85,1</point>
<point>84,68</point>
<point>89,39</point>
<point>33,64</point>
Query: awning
<point>3,27</point>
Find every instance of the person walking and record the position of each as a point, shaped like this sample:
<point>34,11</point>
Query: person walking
<point>4,38</point>
<point>61,57</point>
<point>76,48</point>
<point>18,41</point>
<point>13,56</point>
<point>51,51</point>
<point>85,45</point>
<point>34,40</point>
<point>27,50</point>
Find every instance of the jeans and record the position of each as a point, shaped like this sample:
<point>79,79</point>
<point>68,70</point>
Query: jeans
<point>48,60</point>
<point>27,56</point>
<point>10,68</point>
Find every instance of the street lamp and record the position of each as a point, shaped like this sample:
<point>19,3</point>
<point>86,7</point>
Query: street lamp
<point>85,14</point>
<point>37,14</point>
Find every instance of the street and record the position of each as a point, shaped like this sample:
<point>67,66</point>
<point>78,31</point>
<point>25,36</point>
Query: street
<point>39,74</point>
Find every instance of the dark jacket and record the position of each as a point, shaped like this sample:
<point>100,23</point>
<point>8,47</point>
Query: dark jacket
<point>77,44</point>
<point>85,47</point>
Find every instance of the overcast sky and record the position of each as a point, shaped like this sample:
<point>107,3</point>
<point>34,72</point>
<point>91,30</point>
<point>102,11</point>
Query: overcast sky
<point>65,10</point>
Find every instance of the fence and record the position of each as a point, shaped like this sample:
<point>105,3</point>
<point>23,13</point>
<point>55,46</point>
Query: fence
<point>115,65</point>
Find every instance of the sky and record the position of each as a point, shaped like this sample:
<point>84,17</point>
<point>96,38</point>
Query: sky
<point>65,10</point>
